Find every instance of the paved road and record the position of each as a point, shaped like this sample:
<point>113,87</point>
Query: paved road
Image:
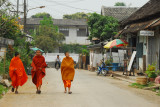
<point>88,91</point>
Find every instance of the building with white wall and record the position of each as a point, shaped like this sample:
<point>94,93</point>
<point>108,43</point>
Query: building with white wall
<point>75,31</point>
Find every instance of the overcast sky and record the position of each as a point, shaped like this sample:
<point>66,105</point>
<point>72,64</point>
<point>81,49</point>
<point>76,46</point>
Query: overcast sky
<point>57,8</point>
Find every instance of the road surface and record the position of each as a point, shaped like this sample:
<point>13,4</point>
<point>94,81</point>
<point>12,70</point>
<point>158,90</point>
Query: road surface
<point>88,90</point>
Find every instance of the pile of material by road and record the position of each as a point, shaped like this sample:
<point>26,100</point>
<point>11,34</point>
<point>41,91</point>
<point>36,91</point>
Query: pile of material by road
<point>4,80</point>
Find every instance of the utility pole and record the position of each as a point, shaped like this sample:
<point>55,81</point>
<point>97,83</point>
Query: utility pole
<point>25,16</point>
<point>17,7</point>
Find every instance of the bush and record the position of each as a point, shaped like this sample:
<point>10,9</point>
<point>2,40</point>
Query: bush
<point>75,48</point>
<point>109,62</point>
<point>151,71</point>
<point>2,89</point>
<point>6,70</point>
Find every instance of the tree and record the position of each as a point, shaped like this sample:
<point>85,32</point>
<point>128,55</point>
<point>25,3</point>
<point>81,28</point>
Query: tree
<point>120,4</point>
<point>45,43</point>
<point>47,37</point>
<point>102,27</point>
<point>75,48</point>
<point>78,15</point>
<point>41,15</point>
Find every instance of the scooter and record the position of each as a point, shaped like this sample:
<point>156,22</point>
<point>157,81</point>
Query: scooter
<point>102,69</point>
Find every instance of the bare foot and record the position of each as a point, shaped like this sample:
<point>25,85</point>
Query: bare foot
<point>16,92</point>
<point>70,92</point>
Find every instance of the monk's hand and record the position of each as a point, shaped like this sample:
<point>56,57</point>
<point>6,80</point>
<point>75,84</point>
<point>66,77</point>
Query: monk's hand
<point>34,69</point>
<point>40,68</point>
<point>15,69</point>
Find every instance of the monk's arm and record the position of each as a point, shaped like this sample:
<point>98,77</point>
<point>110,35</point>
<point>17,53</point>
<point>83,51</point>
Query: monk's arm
<point>44,65</point>
<point>11,67</point>
<point>62,65</point>
<point>33,65</point>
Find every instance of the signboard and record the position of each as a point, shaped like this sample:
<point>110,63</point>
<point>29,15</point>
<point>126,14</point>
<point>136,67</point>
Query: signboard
<point>131,61</point>
<point>146,33</point>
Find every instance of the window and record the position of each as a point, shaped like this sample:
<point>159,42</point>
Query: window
<point>65,31</point>
<point>81,32</point>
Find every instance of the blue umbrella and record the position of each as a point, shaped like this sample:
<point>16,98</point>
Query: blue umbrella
<point>35,49</point>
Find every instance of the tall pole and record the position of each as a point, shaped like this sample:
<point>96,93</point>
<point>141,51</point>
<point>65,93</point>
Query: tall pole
<point>17,7</point>
<point>25,16</point>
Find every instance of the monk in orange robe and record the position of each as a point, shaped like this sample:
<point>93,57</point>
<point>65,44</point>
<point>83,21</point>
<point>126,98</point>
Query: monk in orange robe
<point>17,72</point>
<point>38,70</point>
<point>67,72</point>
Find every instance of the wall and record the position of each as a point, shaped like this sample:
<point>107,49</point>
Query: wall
<point>51,57</point>
<point>74,39</point>
<point>153,48</point>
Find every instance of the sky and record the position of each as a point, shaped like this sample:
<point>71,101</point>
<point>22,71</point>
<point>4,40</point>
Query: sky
<point>57,8</point>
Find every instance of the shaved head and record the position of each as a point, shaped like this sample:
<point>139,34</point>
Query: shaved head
<point>38,52</point>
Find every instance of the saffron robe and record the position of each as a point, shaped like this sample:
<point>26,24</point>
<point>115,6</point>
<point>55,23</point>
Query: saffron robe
<point>18,76</point>
<point>37,75</point>
<point>67,69</point>
<point>67,83</point>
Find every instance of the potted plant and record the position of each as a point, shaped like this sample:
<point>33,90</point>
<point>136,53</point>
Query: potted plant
<point>109,62</point>
<point>151,72</point>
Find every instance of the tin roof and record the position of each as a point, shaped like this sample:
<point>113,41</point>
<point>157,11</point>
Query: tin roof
<point>58,22</point>
<point>118,12</point>
<point>149,11</point>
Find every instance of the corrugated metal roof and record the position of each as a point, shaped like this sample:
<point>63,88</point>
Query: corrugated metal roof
<point>151,8</point>
<point>118,12</point>
<point>142,26</point>
<point>59,22</point>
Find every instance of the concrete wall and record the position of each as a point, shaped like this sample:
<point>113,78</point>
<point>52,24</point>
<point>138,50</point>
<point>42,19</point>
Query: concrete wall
<point>51,57</point>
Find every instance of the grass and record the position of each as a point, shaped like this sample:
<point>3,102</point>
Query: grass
<point>2,89</point>
<point>158,93</point>
<point>135,85</point>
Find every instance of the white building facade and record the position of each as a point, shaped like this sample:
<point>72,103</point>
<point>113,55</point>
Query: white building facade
<point>75,31</point>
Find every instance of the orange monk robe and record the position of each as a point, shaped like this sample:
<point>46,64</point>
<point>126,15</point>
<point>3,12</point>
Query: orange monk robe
<point>19,76</point>
<point>37,63</point>
<point>67,71</point>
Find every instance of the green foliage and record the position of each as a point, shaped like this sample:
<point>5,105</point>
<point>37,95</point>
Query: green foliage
<point>151,71</point>
<point>45,43</point>
<point>41,15</point>
<point>158,93</point>
<point>9,27</point>
<point>75,48</point>
<point>47,37</point>
<point>135,85</point>
<point>2,89</point>
<point>120,4</point>
<point>78,15</point>
<point>102,27</point>
<point>109,62</point>
<point>6,70</point>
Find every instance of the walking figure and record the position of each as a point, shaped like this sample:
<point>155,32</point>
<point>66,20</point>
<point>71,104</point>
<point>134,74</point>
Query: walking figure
<point>67,72</point>
<point>17,72</point>
<point>38,70</point>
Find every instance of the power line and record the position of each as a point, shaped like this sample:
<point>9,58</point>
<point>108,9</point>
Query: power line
<point>71,6</point>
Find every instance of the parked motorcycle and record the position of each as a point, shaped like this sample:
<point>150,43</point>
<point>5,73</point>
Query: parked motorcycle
<point>102,70</point>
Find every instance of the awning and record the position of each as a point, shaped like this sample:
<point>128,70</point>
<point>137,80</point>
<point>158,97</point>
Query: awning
<point>96,46</point>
